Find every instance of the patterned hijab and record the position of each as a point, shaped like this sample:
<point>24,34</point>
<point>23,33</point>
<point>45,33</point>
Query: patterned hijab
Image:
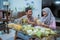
<point>49,18</point>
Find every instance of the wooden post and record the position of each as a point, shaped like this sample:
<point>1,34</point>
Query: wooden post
<point>7,20</point>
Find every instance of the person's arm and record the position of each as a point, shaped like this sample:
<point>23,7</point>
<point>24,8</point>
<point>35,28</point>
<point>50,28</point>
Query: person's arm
<point>34,21</point>
<point>18,21</point>
<point>44,25</point>
<point>53,25</point>
<point>31,22</point>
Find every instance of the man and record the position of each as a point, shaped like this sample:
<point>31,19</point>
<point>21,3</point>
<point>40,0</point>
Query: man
<point>28,16</point>
<point>30,20</point>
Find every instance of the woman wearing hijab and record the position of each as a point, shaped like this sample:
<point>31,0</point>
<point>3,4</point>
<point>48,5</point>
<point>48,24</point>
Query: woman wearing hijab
<point>48,19</point>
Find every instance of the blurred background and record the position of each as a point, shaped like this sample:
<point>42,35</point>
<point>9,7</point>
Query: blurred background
<point>20,5</point>
<point>10,9</point>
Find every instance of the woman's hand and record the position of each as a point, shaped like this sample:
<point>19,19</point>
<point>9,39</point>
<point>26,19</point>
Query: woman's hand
<point>44,25</point>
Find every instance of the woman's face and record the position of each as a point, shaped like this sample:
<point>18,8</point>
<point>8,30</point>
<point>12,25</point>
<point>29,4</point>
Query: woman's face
<point>44,14</point>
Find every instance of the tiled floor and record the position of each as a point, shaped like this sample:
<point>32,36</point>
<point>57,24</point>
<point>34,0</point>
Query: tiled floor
<point>10,36</point>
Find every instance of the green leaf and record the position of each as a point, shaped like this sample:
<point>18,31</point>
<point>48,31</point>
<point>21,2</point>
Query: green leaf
<point>38,34</point>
